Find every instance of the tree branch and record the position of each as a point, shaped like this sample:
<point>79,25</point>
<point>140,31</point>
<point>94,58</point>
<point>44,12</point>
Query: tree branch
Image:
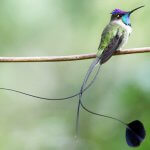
<point>70,57</point>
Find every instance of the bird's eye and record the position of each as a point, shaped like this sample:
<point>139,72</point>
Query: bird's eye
<point>118,16</point>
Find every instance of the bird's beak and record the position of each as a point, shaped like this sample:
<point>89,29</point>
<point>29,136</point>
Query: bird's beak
<point>130,12</point>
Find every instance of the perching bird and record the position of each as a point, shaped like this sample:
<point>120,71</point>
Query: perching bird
<point>114,37</point>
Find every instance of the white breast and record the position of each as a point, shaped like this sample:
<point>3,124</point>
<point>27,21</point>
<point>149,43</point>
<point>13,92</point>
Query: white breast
<point>128,30</point>
<point>126,27</point>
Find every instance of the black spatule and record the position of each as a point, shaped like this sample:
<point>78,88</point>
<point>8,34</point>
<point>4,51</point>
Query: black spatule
<point>135,133</point>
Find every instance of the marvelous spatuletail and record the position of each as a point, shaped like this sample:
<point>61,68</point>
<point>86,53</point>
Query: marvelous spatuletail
<point>113,38</point>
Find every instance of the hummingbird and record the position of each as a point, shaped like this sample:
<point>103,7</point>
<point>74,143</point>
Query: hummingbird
<point>114,37</point>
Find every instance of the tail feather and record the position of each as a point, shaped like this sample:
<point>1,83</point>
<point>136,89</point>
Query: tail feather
<point>45,98</point>
<point>92,66</point>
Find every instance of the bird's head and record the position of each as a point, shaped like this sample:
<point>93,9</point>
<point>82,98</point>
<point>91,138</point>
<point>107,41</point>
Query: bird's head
<point>124,16</point>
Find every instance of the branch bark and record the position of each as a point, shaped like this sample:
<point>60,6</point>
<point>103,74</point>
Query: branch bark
<point>70,57</point>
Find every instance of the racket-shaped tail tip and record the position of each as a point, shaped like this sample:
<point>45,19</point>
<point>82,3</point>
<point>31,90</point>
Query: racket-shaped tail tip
<point>135,133</point>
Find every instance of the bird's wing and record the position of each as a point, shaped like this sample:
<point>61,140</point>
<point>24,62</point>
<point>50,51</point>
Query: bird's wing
<point>111,39</point>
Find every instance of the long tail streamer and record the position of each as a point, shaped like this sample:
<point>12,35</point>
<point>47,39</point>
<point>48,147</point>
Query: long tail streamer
<point>96,61</point>
<point>44,98</point>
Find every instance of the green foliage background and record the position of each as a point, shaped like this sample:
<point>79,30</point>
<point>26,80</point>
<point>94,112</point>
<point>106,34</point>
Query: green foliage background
<point>64,27</point>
